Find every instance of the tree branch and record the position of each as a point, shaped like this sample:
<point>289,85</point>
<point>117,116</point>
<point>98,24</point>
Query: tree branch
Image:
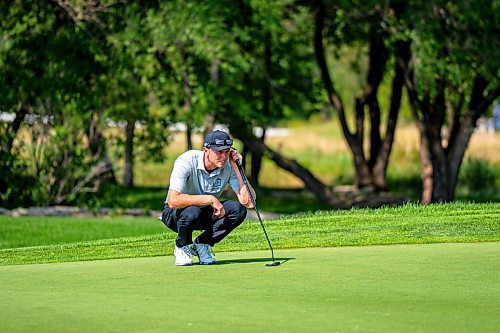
<point>319,49</point>
<point>86,10</point>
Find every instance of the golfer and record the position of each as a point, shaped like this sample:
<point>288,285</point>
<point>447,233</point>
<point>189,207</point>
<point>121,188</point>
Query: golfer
<point>197,180</point>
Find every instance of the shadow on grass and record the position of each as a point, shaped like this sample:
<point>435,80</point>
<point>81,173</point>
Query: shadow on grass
<point>254,260</point>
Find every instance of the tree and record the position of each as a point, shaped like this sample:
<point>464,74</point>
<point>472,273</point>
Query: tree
<point>451,81</point>
<point>189,40</point>
<point>48,69</point>
<point>125,91</point>
<point>275,77</point>
<point>126,86</point>
<point>372,26</point>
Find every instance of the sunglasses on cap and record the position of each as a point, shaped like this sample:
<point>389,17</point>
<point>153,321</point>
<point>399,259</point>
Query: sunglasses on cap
<point>219,143</point>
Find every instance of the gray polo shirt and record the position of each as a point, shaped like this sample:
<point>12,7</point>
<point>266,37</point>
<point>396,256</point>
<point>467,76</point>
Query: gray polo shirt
<point>190,177</point>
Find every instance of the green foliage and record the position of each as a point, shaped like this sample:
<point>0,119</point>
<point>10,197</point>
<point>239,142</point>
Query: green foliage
<point>454,41</point>
<point>16,183</point>
<point>478,175</point>
<point>49,68</point>
<point>79,66</point>
<point>60,165</point>
<point>194,39</point>
<point>272,75</point>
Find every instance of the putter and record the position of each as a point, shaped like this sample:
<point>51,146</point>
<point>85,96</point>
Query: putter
<point>243,175</point>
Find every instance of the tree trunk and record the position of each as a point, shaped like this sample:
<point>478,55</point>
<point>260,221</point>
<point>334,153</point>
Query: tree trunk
<point>266,109</point>
<point>480,100</point>
<point>128,174</point>
<point>426,171</point>
<point>209,122</point>
<point>257,161</point>
<point>97,146</point>
<point>244,154</point>
<point>312,184</point>
<point>187,98</point>
<point>382,159</point>
<point>356,147</point>
<point>441,164</point>
<point>440,170</point>
<point>369,171</point>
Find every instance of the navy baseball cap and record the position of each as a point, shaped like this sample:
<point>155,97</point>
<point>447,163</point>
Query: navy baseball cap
<point>218,140</point>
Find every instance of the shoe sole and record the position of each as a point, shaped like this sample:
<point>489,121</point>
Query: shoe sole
<point>190,264</point>
<point>208,263</point>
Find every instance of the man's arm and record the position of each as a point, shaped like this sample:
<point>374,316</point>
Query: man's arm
<point>242,194</point>
<point>177,200</point>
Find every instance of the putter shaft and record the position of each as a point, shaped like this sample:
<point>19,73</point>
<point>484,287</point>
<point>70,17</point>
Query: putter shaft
<point>245,180</point>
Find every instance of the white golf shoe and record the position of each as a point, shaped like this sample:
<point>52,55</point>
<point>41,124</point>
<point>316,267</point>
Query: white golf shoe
<point>183,256</point>
<point>205,253</point>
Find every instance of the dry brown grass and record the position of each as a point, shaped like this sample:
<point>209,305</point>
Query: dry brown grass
<point>485,146</point>
<point>327,142</point>
<point>482,145</point>
<point>319,145</point>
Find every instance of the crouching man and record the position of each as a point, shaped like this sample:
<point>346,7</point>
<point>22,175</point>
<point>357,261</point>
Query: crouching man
<point>197,180</point>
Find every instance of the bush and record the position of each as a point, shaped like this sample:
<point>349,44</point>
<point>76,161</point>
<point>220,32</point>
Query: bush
<point>16,185</point>
<point>477,175</point>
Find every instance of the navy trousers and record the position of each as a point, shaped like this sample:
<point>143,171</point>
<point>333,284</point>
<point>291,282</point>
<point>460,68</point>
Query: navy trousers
<point>184,221</point>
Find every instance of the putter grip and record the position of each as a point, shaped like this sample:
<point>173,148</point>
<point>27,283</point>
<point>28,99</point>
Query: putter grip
<point>242,172</point>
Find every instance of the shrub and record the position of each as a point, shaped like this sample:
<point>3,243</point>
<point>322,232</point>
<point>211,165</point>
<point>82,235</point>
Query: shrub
<point>477,175</point>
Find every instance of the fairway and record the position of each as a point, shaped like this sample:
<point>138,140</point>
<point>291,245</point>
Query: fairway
<point>398,288</point>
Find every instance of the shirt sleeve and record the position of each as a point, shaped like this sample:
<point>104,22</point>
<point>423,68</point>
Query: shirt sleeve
<point>180,175</point>
<point>233,181</point>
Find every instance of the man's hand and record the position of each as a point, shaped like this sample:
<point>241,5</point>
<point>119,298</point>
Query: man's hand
<point>178,200</point>
<point>219,211</point>
<point>234,156</point>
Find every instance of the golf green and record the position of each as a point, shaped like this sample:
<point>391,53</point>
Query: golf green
<point>399,288</point>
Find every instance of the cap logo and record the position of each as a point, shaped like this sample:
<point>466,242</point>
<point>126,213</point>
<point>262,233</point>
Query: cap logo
<point>219,143</point>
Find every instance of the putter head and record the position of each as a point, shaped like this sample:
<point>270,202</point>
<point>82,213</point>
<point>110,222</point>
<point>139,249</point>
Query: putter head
<point>274,263</point>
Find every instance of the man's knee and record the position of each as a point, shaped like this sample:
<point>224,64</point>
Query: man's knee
<point>235,210</point>
<point>190,214</point>
<point>168,220</point>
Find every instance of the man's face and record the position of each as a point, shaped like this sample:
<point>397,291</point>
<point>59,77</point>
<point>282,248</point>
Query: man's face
<point>219,158</point>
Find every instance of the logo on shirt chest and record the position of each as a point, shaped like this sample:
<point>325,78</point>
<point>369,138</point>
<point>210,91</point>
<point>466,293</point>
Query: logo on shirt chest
<point>213,185</point>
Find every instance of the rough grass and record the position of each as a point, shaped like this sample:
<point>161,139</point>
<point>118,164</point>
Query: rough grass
<point>409,224</point>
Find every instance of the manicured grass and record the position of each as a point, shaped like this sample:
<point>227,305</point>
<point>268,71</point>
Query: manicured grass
<point>409,224</point>
<point>402,288</point>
